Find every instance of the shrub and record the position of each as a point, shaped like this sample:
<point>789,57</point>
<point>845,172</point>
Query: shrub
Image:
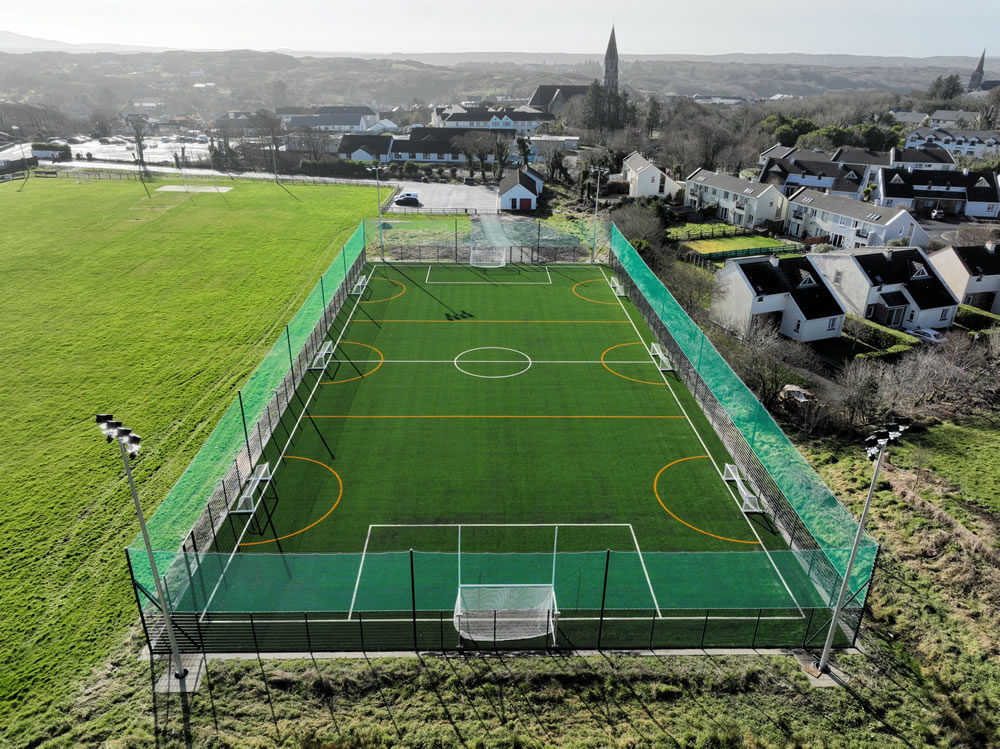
<point>976,319</point>
<point>824,247</point>
<point>875,335</point>
<point>889,354</point>
<point>898,243</point>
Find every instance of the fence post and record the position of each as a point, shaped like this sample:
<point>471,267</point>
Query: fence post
<point>246,434</point>
<point>305,618</point>
<point>753,642</point>
<point>361,631</point>
<point>604,595</point>
<point>704,628</point>
<point>288,340</point>
<point>413,600</point>
<point>805,634</point>
<point>652,627</point>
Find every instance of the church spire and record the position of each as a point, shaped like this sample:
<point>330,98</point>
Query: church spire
<point>976,79</point>
<point>611,63</point>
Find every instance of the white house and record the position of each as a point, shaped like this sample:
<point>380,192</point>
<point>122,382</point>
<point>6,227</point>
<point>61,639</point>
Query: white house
<point>538,179</point>
<point>330,123</point>
<point>837,178</point>
<point>366,148</point>
<point>522,120</point>
<point>893,286</point>
<point>952,118</point>
<point>959,142</point>
<point>790,292</point>
<point>739,201</point>
<point>928,157</point>
<point>964,193</point>
<point>972,273</point>
<point>383,126</point>
<point>849,223</point>
<point>517,192</point>
<point>909,119</point>
<point>646,179</point>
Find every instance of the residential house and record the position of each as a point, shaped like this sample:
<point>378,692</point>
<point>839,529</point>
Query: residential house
<point>517,192</point>
<point>522,120</point>
<point>965,193</point>
<point>645,179</point>
<point>896,287</point>
<point>958,142</point>
<point>330,123</point>
<point>849,223</point>
<point>366,148</point>
<point>909,119</point>
<point>929,157</point>
<point>952,118</point>
<point>790,292</point>
<point>235,122</point>
<point>383,126</point>
<point>972,273</point>
<point>428,150</point>
<point>740,202</point>
<point>537,177</point>
<point>553,99</point>
<point>790,174</point>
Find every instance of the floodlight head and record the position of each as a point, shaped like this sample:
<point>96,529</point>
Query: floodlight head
<point>133,445</point>
<point>110,429</point>
<point>871,443</point>
<point>882,435</point>
<point>104,418</point>
<point>123,434</point>
<point>893,428</point>
<point>904,422</point>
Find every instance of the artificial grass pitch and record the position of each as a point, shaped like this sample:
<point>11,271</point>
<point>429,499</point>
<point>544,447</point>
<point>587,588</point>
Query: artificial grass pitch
<point>507,401</point>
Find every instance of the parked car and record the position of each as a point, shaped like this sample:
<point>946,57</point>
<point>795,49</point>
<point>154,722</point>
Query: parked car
<point>407,198</point>
<point>470,181</point>
<point>927,335</point>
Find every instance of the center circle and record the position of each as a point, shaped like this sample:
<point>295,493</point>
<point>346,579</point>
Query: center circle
<point>527,362</point>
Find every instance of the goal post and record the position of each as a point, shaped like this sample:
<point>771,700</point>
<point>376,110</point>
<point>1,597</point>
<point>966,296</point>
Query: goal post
<point>488,257</point>
<point>750,501</point>
<point>501,613</point>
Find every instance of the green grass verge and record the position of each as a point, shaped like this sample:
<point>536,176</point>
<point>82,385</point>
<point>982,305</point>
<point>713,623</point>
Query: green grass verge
<point>156,310</point>
<point>722,244</point>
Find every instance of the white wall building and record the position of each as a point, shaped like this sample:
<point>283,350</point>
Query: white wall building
<point>972,274</point>
<point>893,286</point>
<point>645,179</point>
<point>962,193</point>
<point>849,223</point>
<point>790,292</point>
<point>975,143</point>
<point>740,202</point>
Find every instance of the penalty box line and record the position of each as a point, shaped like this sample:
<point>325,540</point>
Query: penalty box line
<point>428,281</point>
<point>635,541</point>
<point>714,463</point>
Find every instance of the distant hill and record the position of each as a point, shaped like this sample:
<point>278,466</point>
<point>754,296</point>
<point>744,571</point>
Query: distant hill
<point>20,44</point>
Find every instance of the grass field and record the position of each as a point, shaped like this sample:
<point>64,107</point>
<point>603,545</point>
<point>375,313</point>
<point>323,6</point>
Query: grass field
<point>156,310</point>
<point>722,244</point>
<point>521,396</point>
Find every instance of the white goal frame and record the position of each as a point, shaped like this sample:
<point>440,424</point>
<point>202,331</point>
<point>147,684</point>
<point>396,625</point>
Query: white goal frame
<point>660,358</point>
<point>751,502</point>
<point>489,622</point>
<point>488,257</point>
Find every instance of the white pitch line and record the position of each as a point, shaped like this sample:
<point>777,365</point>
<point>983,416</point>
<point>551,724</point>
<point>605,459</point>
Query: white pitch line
<point>427,280</point>
<point>480,361</point>
<point>645,571</point>
<point>711,458</point>
<point>361,566</point>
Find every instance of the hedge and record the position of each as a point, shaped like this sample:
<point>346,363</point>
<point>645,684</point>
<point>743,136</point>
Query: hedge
<point>890,354</point>
<point>64,150</point>
<point>334,168</point>
<point>875,335</point>
<point>976,319</point>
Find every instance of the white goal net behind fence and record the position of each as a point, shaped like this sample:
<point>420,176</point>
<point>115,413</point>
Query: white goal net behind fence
<point>498,613</point>
<point>488,257</point>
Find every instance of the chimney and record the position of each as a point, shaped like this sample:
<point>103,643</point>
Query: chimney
<point>965,172</point>
<point>991,247</point>
<point>909,169</point>
<point>774,260</point>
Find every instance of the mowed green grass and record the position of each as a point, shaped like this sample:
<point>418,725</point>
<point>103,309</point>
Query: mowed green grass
<point>722,244</point>
<point>456,399</point>
<point>156,311</point>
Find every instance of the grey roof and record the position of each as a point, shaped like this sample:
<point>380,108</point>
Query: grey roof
<point>364,109</point>
<point>845,206</point>
<point>924,155</point>
<point>940,133</point>
<point>891,266</point>
<point>517,177</point>
<point>954,114</point>
<point>324,120</point>
<point>545,93</point>
<point>844,178</point>
<point>977,259</point>
<point>477,115</point>
<point>861,156</point>
<point>909,118</point>
<point>726,182</point>
<point>377,145</point>
<point>814,300</point>
<point>787,152</point>
<point>976,186</point>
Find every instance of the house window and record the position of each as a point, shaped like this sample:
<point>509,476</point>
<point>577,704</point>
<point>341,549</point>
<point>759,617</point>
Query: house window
<point>910,317</point>
<point>968,299</point>
<point>869,311</point>
<point>944,314</point>
<point>798,324</point>
<point>832,324</point>
<point>838,276</point>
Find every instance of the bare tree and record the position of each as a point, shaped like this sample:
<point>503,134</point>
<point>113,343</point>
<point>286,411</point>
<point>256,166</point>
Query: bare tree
<point>465,143</point>
<point>140,128</point>
<point>501,154</point>
<point>313,142</point>
<point>103,121</point>
<point>767,361</point>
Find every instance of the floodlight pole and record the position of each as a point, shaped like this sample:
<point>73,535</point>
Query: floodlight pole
<point>894,433</point>
<point>378,195</point>
<point>179,671</point>
<point>597,202</point>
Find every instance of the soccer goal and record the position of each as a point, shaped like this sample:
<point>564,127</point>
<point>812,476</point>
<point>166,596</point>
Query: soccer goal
<point>616,286</point>
<point>488,257</point>
<point>663,362</point>
<point>500,613</point>
<point>751,502</point>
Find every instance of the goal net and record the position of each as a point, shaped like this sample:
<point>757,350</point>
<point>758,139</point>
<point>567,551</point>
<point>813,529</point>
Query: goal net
<point>498,613</point>
<point>488,257</point>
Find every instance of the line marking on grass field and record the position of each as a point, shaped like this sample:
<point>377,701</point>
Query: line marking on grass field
<point>481,416</point>
<point>682,522</point>
<point>533,322</point>
<point>646,362</point>
<point>361,566</point>
<point>388,298</point>
<point>625,377</point>
<point>340,495</point>
<point>428,280</point>
<point>527,359</point>
<point>588,299</point>
<point>645,571</point>
<point>360,376</point>
<point>714,463</point>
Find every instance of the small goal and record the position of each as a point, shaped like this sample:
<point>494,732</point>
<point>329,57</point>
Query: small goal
<point>751,502</point>
<point>488,257</point>
<point>501,613</point>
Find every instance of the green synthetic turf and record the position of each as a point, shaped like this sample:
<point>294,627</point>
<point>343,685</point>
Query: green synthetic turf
<point>433,415</point>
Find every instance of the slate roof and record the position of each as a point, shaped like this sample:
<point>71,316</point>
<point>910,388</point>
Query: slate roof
<point>346,110</point>
<point>815,301</point>
<point>930,154</point>
<point>325,120</point>
<point>482,115</point>
<point>545,93</point>
<point>377,145</point>
<point>425,146</point>
<point>726,182</point>
<point>786,152</point>
<point>909,118</point>
<point>880,215</point>
<point>844,178</point>
<point>955,134</point>
<point>954,115</point>
<point>894,299</point>
<point>978,186</point>
<point>977,259</point>
<point>437,133</point>
<point>517,177</point>
<point>861,156</point>
<point>897,266</point>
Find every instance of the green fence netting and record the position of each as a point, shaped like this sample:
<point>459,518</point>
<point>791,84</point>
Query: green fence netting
<point>184,504</point>
<point>819,511</point>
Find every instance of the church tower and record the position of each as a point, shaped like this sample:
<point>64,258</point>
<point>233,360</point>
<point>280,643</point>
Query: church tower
<point>976,79</point>
<point>611,63</point>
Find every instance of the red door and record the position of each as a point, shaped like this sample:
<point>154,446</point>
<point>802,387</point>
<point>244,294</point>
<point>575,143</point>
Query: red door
<point>525,204</point>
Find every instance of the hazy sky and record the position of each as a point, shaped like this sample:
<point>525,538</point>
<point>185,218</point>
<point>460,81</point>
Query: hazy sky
<point>916,28</point>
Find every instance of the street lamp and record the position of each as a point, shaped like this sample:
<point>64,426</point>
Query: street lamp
<point>597,197</point>
<point>875,446</point>
<point>378,194</point>
<point>130,444</point>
